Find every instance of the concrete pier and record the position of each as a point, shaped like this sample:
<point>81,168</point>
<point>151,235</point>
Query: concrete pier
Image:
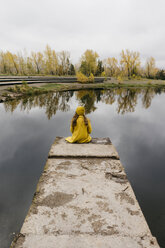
<point>84,200</point>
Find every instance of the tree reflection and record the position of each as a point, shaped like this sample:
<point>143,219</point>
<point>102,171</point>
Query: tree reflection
<point>126,100</point>
<point>88,99</point>
<point>52,102</point>
<point>148,95</point>
<point>108,96</point>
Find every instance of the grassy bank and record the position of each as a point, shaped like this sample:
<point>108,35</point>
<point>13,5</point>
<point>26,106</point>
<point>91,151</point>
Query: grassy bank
<point>16,91</point>
<point>106,85</point>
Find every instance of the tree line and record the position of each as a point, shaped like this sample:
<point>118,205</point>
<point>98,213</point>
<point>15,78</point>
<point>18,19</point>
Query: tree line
<point>49,62</point>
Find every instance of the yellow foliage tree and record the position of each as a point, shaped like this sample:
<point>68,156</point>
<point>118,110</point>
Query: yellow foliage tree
<point>22,64</point>
<point>151,70</point>
<point>130,61</point>
<point>89,62</point>
<point>51,61</point>
<point>30,66</point>
<point>9,63</point>
<point>37,60</point>
<point>13,60</point>
<point>111,66</point>
<point>64,61</point>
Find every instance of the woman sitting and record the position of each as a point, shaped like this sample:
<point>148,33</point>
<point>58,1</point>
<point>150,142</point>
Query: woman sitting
<point>80,127</point>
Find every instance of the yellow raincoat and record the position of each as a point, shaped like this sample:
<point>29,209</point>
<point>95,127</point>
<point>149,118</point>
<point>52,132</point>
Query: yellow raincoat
<point>80,133</point>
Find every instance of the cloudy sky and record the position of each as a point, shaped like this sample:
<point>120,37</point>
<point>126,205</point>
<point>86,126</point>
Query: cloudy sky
<point>106,26</point>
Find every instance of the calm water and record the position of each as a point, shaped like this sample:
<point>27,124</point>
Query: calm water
<point>134,121</point>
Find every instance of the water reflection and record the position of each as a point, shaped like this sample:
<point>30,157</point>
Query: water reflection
<point>126,100</point>
<point>51,102</point>
<point>27,134</point>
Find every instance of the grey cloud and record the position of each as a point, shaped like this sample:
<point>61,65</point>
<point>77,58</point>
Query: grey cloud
<point>106,26</point>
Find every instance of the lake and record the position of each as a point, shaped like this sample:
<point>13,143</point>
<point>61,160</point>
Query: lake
<point>134,119</point>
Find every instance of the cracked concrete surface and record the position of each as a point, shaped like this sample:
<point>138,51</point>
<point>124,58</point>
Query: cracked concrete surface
<point>84,202</point>
<point>97,148</point>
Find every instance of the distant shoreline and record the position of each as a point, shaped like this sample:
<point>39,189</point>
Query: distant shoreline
<point>11,92</point>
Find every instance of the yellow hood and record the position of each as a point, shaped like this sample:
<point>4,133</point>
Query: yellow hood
<point>80,110</point>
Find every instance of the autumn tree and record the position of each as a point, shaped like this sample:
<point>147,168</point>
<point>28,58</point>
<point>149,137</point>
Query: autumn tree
<point>130,61</point>
<point>2,65</point>
<point>150,68</point>
<point>89,62</point>
<point>8,63</point>
<point>13,62</point>
<point>22,64</point>
<point>51,61</point>
<point>38,62</point>
<point>30,66</point>
<point>111,66</point>
<point>64,62</point>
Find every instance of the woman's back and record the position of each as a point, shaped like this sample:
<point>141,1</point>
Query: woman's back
<point>82,128</point>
